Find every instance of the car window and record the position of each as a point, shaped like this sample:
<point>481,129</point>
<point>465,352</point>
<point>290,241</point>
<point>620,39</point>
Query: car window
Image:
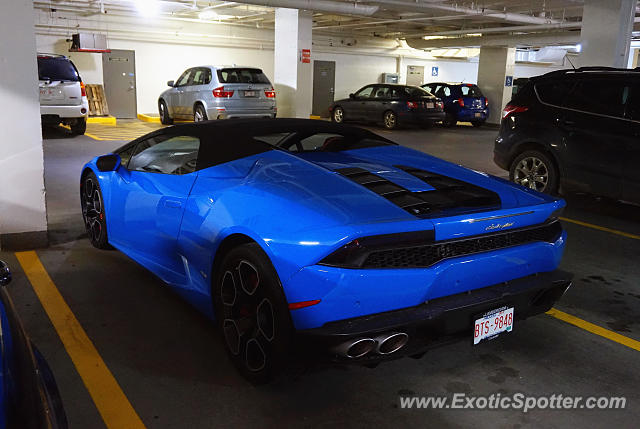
<point>381,92</point>
<point>166,155</point>
<point>442,91</point>
<point>395,93</point>
<point>184,79</point>
<point>199,77</point>
<point>470,91</point>
<point>554,92</point>
<point>241,75</point>
<point>319,141</point>
<point>272,139</point>
<point>605,97</point>
<point>365,92</point>
<point>57,68</point>
<point>125,154</point>
<point>430,88</point>
<point>414,91</point>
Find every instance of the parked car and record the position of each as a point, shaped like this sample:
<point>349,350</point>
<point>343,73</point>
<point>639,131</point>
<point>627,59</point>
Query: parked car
<point>311,235</point>
<point>218,92</point>
<point>29,396</point>
<point>391,104</point>
<point>63,98</point>
<point>462,102</point>
<point>518,84</point>
<point>575,128</point>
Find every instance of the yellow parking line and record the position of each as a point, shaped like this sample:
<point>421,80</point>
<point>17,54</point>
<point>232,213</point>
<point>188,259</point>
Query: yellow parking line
<point>93,136</point>
<point>602,228</point>
<point>113,405</point>
<point>595,329</point>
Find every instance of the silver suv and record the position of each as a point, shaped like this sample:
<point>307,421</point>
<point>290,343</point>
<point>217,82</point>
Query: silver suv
<point>62,94</point>
<point>218,92</point>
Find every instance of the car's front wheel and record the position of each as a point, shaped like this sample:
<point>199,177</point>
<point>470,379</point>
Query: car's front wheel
<point>252,313</point>
<point>535,170</point>
<point>338,115</point>
<point>165,119</point>
<point>93,211</point>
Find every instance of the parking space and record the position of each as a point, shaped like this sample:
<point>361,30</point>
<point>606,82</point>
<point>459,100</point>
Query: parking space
<point>167,362</point>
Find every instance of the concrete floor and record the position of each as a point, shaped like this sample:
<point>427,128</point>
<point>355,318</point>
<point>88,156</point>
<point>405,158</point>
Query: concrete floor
<point>171,365</point>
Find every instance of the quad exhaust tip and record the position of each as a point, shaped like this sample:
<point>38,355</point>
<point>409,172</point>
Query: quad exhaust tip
<point>390,343</point>
<point>384,344</point>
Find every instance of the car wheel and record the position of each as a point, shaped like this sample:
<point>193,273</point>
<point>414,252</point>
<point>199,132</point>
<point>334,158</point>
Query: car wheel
<point>95,220</point>
<point>535,170</point>
<point>449,120</point>
<point>477,124</point>
<point>199,114</point>
<point>252,313</point>
<point>390,120</point>
<point>338,115</point>
<point>79,126</point>
<point>165,119</point>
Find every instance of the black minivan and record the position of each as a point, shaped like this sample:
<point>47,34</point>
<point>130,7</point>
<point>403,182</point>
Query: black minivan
<point>576,128</point>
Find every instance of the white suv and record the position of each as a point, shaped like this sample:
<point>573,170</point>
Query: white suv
<point>62,94</point>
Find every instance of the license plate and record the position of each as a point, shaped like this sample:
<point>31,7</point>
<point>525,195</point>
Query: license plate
<point>478,115</point>
<point>50,93</point>
<point>249,93</point>
<point>493,323</point>
<point>430,105</point>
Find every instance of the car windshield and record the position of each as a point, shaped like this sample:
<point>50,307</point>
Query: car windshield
<point>323,141</point>
<point>470,91</point>
<point>414,91</point>
<point>57,69</point>
<point>242,75</point>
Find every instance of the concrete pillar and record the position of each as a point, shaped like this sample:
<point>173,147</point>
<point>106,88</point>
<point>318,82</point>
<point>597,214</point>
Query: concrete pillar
<point>606,32</point>
<point>495,65</point>
<point>23,217</point>
<point>292,76</point>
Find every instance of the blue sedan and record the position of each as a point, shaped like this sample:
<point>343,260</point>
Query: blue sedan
<point>292,232</point>
<point>463,102</point>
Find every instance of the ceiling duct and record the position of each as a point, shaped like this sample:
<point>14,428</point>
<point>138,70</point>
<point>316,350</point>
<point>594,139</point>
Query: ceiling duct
<point>327,6</point>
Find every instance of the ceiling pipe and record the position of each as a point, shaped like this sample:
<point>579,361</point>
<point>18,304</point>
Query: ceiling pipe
<point>515,28</point>
<point>533,39</point>
<point>390,21</point>
<point>327,6</point>
<point>407,6</point>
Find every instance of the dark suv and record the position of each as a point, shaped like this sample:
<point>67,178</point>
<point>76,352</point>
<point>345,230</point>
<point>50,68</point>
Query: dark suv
<point>579,128</point>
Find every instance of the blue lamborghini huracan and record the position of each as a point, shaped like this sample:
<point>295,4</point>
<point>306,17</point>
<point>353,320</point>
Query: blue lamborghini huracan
<point>292,231</point>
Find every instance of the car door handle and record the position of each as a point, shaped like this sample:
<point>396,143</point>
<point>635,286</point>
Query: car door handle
<point>173,204</point>
<point>565,122</point>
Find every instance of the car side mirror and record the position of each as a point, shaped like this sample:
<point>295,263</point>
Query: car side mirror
<point>171,83</point>
<point>109,162</point>
<point>5,274</point>
<point>352,96</point>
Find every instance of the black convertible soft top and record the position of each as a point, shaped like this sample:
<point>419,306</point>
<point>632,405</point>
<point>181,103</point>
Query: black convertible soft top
<point>227,140</point>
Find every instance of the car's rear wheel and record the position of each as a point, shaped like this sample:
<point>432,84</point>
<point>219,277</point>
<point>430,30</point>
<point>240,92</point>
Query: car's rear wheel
<point>338,115</point>
<point>535,170</point>
<point>449,120</point>
<point>390,120</point>
<point>165,119</point>
<point>79,126</point>
<point>252,313</point>
<point>199,114</point>
<point>95,220</point>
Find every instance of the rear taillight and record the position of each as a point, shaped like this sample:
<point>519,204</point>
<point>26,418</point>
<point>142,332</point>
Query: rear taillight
<point>270,93</point>
<point>220,92</point>
<point>486,102</point>
<point>83,89</point>
<point>511,108</point>
<point>412,104</point>
<point>460,102</point>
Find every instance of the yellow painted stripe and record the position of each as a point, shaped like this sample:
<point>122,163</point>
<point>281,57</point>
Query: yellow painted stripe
<point>602,228</point>
<point>595,329</point>
<point>113,405</point>
<point>102,120</point>
<point>314,117</point>
<point>93,136</point>
<point>147,118</point>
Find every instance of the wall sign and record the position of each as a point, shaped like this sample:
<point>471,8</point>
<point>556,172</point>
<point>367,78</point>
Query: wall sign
<point>508,81</point>
<point>305,56</point>
<point>434,71</point>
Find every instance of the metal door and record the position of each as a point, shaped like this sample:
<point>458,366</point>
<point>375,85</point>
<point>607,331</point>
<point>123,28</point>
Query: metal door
<point>119,75</point>
<point>324,77</point>
<point>415,75</point>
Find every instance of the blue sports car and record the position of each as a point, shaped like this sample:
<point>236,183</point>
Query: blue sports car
<point>293,231</point>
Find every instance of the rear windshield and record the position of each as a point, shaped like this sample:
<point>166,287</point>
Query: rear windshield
<point>470,91</point>
<point>57,69</point>
<point>414,91</point>
<point>238,75</point>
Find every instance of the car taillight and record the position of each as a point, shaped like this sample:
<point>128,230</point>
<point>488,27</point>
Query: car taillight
<point>83,89</point>
<point>511,108</point>
<point>270,93</point>
<point>486,102</point>
<point>460,102</point>
<point>412,104</point>
<point>220,92</point>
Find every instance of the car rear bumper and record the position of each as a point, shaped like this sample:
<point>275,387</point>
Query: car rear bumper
<point>50,113</point>
<point>442,320</point>
<point>221,113</point>
<point>473,114</point>
<point>420,117</point>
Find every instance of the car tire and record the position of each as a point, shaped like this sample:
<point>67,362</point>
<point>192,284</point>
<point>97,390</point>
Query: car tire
<point>337,115</point>
<point>449,120</point>
<point>477,124</point>
<point>535,170</point>
<point>79,126</point>
<point>165,119</point>
<point>93,212</point>
<point>199,114</point>
<point>252,313</point>
<point>390,120</point>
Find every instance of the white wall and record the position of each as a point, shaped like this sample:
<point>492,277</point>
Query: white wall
<point>22,201</point>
